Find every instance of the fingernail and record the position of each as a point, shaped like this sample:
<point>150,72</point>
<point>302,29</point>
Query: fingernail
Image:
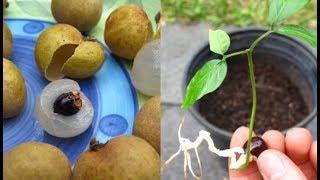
<point>272,166</point>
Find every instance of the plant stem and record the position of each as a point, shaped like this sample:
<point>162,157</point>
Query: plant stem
<point>254,92</point>
<point>254,105</point>
<point>236,53</point>
<point>255,43</point>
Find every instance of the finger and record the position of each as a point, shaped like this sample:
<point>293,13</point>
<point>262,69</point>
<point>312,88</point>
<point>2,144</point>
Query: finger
<point>297,143</point>
<point>238,139</point>
<point>313,154</point>
<point>275,140</point>
<point>276,165</point>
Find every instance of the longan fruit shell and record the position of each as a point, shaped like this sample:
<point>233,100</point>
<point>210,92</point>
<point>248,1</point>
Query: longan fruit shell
<point>127,29</point>
<point>85,62</point>
<point>82,14</point>
<point>52,39</point>
<point>7,41</point>
<point>123,157</point>
<point>36,161</point>
<point>147,122</point>
<point>61,51</point>
<point>14,89</point>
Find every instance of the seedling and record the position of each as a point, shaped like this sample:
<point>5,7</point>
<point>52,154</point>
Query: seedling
<point>211,75</point>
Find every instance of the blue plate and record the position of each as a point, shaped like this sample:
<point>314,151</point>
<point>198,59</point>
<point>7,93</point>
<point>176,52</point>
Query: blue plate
<point>111,92</point>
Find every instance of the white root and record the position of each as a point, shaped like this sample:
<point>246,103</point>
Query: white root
<point>186,145</point>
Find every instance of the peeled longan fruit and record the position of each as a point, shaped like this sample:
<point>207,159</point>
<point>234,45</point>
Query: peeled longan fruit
<point>14,90</point>
<point>126,30</point>
<point>123,157</point>
<point>86,60</point>
<point>7,41</point>
<point>36,161</point>
<point>147,122</point>
<point>82,14</point>
<point>60,42</point>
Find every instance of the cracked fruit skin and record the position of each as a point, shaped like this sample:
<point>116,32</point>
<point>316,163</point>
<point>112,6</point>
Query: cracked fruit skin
<point>14,90</point>
<point>50,40</point>
<point>7,41</point>
<point>123,157</point>
<point>127,29</point>
<point>85,62</point>
<point>82,14</point>
<point>36,161</point>
<point>147,122</point>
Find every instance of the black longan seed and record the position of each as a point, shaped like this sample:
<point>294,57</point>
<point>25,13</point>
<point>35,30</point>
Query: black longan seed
<point>257,146</point>
<point>68,103</point>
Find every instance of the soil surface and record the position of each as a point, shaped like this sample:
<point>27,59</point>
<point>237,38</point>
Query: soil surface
<point>280,104</point>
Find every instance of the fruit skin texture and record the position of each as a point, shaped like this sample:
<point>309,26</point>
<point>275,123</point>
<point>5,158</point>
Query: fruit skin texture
<point>123,157</point>
<point>51,39</point>
<point>7,41</point>
<point>85,62</point>
<point>147,122</point>
<point>126,30</point>
<point>14,90</point>
<point>36,161</point>
<point>82,14</point>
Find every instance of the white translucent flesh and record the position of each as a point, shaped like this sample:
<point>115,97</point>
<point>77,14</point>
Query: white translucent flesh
<point>59,125</point>
<point>146,69</point>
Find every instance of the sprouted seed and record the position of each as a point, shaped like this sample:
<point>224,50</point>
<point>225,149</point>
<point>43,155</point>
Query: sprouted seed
<point>186,146</point>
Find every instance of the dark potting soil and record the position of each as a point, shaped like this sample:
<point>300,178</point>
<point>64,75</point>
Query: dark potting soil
<point>280,104</point>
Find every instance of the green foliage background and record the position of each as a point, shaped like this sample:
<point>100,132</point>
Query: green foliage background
<point>231,12</point>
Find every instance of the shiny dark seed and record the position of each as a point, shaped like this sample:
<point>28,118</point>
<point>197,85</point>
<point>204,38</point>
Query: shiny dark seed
<point>68,103</point>
<point>257,146</point>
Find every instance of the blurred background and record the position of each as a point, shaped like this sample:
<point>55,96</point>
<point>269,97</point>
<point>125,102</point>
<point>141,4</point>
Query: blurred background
<point>231,12</point>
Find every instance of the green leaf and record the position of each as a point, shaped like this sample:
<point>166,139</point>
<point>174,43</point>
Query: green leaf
<point>206,80</point>
<point>282,9</point>
<point>299,32</point>
<point>219,41</point>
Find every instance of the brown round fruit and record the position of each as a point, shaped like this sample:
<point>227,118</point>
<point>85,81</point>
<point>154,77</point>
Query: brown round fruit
<point>7,41</point>
<point>82,14</point>
<point>87,59</point>
<point>61,51</point>
<point>127,29</point>
<point>123,157</point>
<point>54,46</point>
<point>147,122</point>
<point>14,90</point>
<point>36,161</point>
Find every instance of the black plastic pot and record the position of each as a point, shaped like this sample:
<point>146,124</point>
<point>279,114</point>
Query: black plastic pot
<point>286,51</point>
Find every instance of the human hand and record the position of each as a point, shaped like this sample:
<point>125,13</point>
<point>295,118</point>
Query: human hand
<point>289,157</point>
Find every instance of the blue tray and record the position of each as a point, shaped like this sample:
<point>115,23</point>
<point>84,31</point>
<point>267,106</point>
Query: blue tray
<point>111,92</point>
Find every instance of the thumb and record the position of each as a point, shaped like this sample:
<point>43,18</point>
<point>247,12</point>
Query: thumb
<point>274,165</point>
